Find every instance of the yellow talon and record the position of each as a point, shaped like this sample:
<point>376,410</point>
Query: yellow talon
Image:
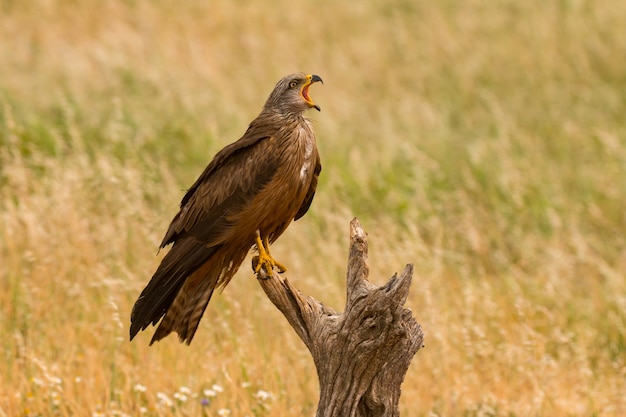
<point>265,260</point>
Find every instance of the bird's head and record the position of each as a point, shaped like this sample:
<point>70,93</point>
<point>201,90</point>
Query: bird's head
<point>291,94</point>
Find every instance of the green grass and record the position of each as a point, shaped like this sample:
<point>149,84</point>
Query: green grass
<point>483,141</point>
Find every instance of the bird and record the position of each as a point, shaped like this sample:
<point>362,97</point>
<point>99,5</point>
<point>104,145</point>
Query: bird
<point>246,197</point>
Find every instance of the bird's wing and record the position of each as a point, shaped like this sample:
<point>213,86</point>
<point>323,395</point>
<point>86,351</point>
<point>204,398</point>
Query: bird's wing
<point>308,199</point>
<point>232,178</point>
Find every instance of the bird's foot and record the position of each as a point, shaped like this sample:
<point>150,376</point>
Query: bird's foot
<point>264,260</point>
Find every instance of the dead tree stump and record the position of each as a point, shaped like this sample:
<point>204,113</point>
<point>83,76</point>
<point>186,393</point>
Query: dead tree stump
<point>362,354</point>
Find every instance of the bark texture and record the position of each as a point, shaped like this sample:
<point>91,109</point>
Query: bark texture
<point>362,354</point>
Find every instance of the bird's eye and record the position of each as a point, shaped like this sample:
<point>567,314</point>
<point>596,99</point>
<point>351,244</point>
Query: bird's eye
<point>293,84</point>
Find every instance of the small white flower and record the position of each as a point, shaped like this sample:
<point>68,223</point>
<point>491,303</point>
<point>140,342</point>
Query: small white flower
<point>209,393</point>
<point>217,388</point>
<point>246,384</point>
<point>139,388</point>
<point>180,397</point>
<point>263,395</point>
<point>38,381</point>
<point>78,379</point>
<point>184,390</point>
<point>222,412</point>
<point>143,410</point>
<point>164,399</point>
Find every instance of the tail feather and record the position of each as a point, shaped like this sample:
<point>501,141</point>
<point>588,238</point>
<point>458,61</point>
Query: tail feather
<point>185,313</point>
<point>184,259</point>
<point>181,288</point>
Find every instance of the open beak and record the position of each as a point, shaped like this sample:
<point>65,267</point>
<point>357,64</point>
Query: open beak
<point>305,90</point>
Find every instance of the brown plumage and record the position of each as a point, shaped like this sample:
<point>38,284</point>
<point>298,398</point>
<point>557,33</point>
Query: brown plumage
<point>249,193</point>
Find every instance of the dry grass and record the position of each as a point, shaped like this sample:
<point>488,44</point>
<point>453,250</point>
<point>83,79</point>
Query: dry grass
<point>485,142</point>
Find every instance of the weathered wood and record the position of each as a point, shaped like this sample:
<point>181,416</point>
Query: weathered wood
<point>362,354</point>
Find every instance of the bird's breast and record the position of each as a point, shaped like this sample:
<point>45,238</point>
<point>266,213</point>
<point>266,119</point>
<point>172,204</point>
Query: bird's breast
<point>308,160</point>
<point>277,203</point>
<point>299,156</point>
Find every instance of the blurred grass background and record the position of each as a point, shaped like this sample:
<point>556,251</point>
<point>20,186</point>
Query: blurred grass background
<point>483,141</point>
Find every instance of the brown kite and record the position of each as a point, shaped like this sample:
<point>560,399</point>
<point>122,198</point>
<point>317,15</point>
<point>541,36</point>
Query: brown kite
<point>247,195</point>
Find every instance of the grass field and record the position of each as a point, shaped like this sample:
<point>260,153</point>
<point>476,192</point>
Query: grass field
<point>485,142</point>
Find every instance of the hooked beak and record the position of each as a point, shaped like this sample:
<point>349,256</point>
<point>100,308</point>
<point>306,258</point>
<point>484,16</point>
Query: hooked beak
<point>311,78</point>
